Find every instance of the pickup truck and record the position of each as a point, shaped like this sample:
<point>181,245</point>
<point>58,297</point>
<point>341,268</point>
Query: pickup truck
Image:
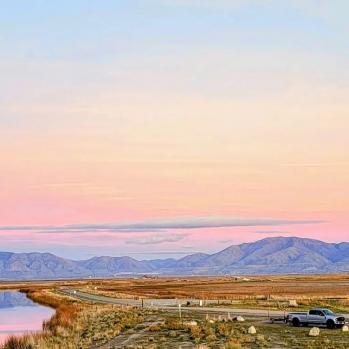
<point>320,317</point>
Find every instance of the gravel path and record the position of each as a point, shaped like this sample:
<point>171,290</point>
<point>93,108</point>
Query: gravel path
<point>127,338</point>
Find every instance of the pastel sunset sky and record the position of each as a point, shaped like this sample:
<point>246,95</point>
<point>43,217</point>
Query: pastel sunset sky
<point>158,128</point>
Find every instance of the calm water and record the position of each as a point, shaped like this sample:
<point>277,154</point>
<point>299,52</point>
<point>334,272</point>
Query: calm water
<point>19,315</point>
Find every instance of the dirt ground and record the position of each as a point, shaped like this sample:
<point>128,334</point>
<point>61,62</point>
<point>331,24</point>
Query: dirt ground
<point>166,330</point>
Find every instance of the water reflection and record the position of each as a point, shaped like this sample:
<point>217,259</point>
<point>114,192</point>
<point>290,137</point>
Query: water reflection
<point>19,315</point>
<point>10,299</point>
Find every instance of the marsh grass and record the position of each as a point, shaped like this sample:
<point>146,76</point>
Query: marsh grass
<point>23,342</point>
<point>65,314</point>
<point>75,324</point>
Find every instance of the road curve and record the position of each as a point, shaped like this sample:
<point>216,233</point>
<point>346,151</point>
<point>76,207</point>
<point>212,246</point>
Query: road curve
<point>171,304</point>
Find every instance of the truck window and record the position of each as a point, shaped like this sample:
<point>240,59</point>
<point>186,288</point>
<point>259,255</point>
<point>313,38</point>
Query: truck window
<point>328,312</point>
<point>312,312</point>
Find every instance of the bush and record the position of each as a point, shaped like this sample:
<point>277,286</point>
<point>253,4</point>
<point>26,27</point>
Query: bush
<point>223,330</point>
<point>195,332</point>
<point>155,328</point>
<point>173,324</point>
<point>172,334</point>
<point>211,338</point>
<point>233,344</point>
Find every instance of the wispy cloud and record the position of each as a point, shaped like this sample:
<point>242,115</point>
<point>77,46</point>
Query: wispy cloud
<point>217,4</point>
<point>225,241</point>
<point>156,239</point>
<point>271,232</point>
<point>58,230</point>
<point>155,225</point>
<point>60,185</point>
<point>317,164</point>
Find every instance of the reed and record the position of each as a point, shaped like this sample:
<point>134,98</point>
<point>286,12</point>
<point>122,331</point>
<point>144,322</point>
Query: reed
<point>66,312</point>
<point>22,342</point>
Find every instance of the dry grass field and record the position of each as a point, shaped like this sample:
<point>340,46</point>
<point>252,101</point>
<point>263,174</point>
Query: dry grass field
<point>294,286</point>
<point>79,324</point>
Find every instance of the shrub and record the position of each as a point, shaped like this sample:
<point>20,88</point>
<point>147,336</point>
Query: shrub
<point>155,328</point>
<point>232,344</point>
<point>211,338</point>
<point>173,324</point>
<point>195,332</point>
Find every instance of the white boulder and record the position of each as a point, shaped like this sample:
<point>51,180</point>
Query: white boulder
<point>314,332</point>
<point>240,318</point>
<point>292,303</point>
<point>252,330</point>
<point>345,328</point>
<point>191,323</point>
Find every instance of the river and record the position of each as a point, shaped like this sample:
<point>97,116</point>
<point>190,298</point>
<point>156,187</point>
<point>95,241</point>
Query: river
<point>19,315</point>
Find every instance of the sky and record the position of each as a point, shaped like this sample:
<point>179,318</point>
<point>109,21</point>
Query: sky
<point>162,128</point>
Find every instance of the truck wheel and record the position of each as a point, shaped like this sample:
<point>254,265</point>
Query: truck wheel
<point>330,324</point>
<point>295,322</point>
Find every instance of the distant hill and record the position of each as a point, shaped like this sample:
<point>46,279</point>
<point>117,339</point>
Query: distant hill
<point>277,255</point>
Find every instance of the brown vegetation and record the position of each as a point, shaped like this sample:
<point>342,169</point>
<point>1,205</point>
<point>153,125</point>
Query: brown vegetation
<point>75,324</point>
<point>84,325</point>
<point>228,287</point>
<point>224,287</point>
<point>66,312</point>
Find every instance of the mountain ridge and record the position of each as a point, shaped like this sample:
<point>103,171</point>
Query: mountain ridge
<point>273,255</point>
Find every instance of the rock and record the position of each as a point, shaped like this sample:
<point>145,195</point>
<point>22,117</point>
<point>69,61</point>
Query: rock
<point>293,303</point>
<point>252,330</point>
<point>211,321</point>
<point>345,328</point>
<point>240,318</point>
<point>314,332</point>
<point>191,323</point>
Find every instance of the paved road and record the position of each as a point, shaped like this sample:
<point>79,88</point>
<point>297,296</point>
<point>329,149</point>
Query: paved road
<point>136,302</point>
<point>170,304</point>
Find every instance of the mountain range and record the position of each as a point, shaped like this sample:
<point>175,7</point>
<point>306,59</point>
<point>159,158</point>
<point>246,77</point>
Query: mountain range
<point>277,255</point>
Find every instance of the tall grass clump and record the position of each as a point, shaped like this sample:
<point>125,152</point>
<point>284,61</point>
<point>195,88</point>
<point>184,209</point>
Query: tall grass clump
<point>66,312</point>
<point>22,342</point>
